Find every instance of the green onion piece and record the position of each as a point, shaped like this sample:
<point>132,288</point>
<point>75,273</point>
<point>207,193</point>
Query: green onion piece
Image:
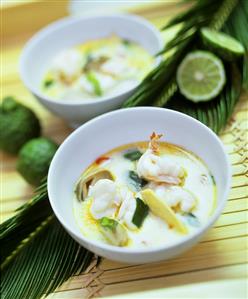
<point>133,155</point>
<point>108,223</point>
<point>126,42</point>
<point>136,181</point>
<point>213,179</point>
<point>95,83</point>
<point>140,213</point>
<point>48,83</point>
<point>113,231</point>
<point>192,219</point>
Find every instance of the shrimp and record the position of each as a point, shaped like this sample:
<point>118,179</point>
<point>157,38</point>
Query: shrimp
<point>175,196</point>
<point>153,167</point>
<point>112,200</point>
<point>67,65</point>
<point>105,199</point>
<point>127,208</point>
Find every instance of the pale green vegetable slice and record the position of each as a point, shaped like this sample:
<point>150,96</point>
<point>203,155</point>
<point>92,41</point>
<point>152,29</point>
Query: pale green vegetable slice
<point>113,231</point>
<point>201,76</point>
<point>160,208</point>
<point>222,44</point>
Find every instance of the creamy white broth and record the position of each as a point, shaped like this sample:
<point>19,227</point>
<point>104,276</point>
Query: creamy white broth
<point>96,69</point>
<point>154,231</point>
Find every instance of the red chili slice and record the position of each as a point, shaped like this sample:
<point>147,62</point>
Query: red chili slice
<point>101,159</point>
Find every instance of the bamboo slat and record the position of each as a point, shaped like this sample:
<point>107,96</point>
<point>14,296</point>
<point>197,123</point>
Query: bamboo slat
<point>194,277</point>
<point>110,272</point>
<point>201,250</point>
<point>237,205</point>
<point>216,264</point>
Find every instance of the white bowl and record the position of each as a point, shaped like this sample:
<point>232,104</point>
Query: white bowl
<point>116,128</point>
<point>72,31</point>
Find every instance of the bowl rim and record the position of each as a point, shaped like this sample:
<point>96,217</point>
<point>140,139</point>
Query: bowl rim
<point>71,20</point>
<point>127,250</point>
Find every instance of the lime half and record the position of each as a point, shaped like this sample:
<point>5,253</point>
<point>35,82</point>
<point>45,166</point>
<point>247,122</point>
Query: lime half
<point>222,44</point>
<point>201,76</point>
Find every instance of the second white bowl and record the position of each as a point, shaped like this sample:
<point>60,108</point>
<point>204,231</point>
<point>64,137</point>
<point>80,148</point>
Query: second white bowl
<point>72,31</point>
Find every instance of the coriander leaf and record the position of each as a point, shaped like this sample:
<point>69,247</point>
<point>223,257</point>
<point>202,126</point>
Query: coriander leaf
<point>48,83</point>
<point>136,181</point>
<point>133,155</point>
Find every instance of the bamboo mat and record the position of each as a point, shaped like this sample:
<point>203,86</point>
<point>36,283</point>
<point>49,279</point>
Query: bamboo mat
<point>215,268</point>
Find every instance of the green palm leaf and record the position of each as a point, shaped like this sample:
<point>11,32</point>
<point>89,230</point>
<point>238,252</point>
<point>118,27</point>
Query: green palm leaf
<point>156,87</point>
<point>50,254</point>
<point>160,88</point>
<point>237,26</point>
<point>28,218</point>
<point>37,254</point>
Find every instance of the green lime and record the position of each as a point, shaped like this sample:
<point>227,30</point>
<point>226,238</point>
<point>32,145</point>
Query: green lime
<point>18,124</point>
<point>35,158</point>
<point>222,44</point>
<point>201,76</point>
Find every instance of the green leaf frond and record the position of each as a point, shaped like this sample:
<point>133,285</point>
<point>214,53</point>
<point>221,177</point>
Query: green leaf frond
<point>37,254</point>
<point>159,88</point>
<point>50,258</point>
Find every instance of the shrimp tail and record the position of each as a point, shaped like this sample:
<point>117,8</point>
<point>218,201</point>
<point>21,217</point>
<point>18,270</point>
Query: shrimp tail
<point>154,145</point>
